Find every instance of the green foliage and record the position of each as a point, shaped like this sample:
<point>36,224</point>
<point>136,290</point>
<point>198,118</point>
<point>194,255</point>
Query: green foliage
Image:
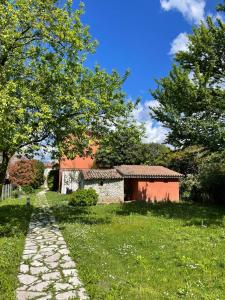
<point>16,193</point>
<point>121,146</point>
<point>124,147</point>
<point>39,174</point>
<point>53,180</point>
<point>204,181</point>
<point>212,178</point>
<point>187,160</point>
<point>46,92</point>
<point>155,154</point>
<point>191,97</point>
<point>27,189</point>
<point>188,188</point>
<point>83,197</point>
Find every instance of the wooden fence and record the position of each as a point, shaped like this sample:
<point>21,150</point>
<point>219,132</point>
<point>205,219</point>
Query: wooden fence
<point>6,191</point>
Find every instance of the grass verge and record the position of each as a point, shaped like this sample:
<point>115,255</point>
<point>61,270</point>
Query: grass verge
<point>141,251</point>
<point>14,220</point>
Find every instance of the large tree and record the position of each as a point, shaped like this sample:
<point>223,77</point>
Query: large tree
<point>192,98</point>
<point>124,146</point>
<point>46,92</point>
<point>155,154</point>
<point>121,147</point>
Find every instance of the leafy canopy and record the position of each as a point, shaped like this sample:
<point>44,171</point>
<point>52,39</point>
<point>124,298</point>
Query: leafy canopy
<point>191,98</point>
<point>46,92</point>
<point>124,146</point>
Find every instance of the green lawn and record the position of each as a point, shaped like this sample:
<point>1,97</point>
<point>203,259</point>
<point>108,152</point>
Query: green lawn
<point>140,251</point>
<point>14,220</point>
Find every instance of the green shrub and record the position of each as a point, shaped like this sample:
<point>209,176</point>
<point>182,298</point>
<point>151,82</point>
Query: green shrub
<point>189,186</point>
<point>16,193</point>
<point>39,169</point>
<point>83,197</point>
<point>27,189</point>
<point>212,179</point>
<point>53,180</point>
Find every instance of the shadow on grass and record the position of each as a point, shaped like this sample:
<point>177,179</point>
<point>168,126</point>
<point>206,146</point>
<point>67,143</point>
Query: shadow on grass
<point>190,213</point>
<point>81,215</point>
<point>14,219</point>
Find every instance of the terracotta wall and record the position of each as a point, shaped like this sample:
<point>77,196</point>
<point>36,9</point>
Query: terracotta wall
<point>156,190</point>
<point>78,162</point>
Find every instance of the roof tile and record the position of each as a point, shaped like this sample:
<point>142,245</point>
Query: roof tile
<point>146,171</point>
<point>101,174</point>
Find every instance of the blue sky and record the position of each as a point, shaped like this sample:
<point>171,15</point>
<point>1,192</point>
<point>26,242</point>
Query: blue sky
<point>142,35</point>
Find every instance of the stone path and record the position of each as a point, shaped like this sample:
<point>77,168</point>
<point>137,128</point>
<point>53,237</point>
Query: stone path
<point>47,270</point>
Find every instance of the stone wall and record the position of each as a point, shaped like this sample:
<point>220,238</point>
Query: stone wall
<point>70,181</point>
<point>109,191</point>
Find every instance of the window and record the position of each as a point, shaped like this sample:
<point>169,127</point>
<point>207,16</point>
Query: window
<point>101,183</point>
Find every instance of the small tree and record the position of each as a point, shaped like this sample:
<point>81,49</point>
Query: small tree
<point>39,173</point>
<point>27,173</point>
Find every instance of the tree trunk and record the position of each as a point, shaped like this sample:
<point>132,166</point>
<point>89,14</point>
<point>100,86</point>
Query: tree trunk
<point>3,167</point>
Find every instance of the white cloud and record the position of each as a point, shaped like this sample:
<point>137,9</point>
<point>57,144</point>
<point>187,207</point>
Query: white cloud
<point>179,43</point>
<point>155,132</point>
<point>219,16</point>
<point>192,10</point>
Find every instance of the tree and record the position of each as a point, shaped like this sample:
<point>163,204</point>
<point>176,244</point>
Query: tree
<point>27,173</point>
<point>211,178</point>
<point>155,154</point>
<point>187,161</point>
<point>39,173</point>
<point>124,146</point>
<point>191,98</point>
<point>46,92</point>
<point>120,147</point>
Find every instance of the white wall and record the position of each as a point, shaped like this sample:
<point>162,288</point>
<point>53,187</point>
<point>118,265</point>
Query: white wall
<point>112,190</point>
<point>71,180</point>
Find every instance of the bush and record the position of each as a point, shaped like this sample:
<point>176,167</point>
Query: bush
<point>53,180</point>
<point>16,193</point>
<point>27,189</point>
<point>212,179</point>
<point>39,174</point>
<point>188,188</point>
<point>83,197</point>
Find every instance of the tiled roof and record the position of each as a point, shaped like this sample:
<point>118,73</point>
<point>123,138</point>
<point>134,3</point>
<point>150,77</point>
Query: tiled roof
<point>101,174</point>
<point>135,171</point>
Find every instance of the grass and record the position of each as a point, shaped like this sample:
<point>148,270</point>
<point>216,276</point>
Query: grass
<point>14,220</point>
<point>142,251</point>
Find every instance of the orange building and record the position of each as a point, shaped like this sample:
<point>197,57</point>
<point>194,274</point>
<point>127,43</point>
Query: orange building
<point>140,182</point>
<point>150,183</point>
<point>78,162</point>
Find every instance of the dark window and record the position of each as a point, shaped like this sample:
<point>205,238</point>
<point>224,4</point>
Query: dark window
<point>101,183</point>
